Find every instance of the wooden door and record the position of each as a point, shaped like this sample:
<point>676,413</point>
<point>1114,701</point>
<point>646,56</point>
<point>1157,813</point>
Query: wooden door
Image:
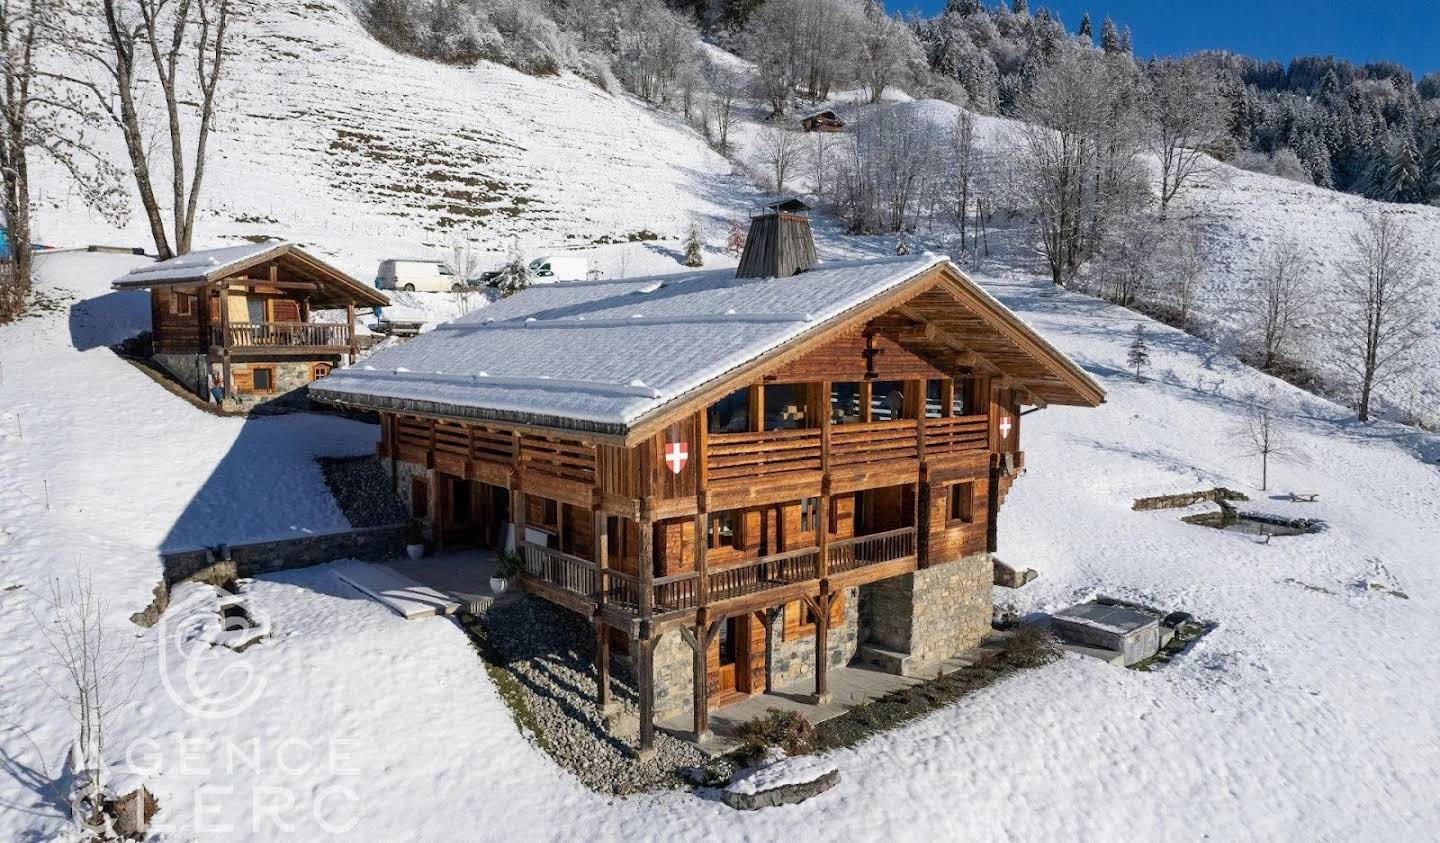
<point>729,661</point>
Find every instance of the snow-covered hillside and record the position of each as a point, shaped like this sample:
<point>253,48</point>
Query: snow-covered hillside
<point>328,138</point>
<point>1307,714</point>
<point>1240,216</point>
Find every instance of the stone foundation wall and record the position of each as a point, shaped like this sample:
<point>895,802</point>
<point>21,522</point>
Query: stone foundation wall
<point>952,608</point>
<point>931,614</point>
<point>405,472</point>
<point>787,662</point>
<point>794,660</point>
<point>674,675</point>
<point>292,379</point>
<point>188,369</point>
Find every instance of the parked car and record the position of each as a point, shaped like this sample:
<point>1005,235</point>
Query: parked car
<point>560,268</point>
<point>423,276</point>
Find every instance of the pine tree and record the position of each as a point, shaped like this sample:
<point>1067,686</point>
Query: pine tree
<point>965,8</point>
<point>902,244</point>
<point>1020,7</point>
<point>515,276</point>
<point>1403,181</point>
<point>693,256</point>
<point>1086,32</point>
<point>1110,37</point>
<point>1139,356</point>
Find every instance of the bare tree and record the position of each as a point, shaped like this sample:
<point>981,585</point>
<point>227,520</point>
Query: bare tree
<point>1185,272</point>
<point>964,158</point>
<point>91,666</point>
<point>727,86</point>
<point>1279,304</point>
<point>39,114</point>
<point>182,43</point>
<point>1381,306</point>
<point>1187,115</point>
<point>780,152</point>
<point>1260,433</point>
<point>1062,109</point>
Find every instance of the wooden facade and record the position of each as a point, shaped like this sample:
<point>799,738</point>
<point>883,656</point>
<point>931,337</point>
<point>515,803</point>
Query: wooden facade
<point>881,443</point>
<point>855,462</point>
<point>253,315</point>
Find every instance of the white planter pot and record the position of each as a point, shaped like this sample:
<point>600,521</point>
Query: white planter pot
<point>415,551</point>
<point>499,585</point>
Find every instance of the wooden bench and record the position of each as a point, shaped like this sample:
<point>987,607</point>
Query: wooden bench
<point>1306,497</point>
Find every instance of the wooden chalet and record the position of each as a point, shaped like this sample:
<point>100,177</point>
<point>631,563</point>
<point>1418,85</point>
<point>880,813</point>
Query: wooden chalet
<point>237,322</point>
<point>824,121</point>
<point>740,480</point>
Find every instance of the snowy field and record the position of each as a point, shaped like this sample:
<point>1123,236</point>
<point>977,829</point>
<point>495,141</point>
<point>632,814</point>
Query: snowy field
<point>1307,714</point>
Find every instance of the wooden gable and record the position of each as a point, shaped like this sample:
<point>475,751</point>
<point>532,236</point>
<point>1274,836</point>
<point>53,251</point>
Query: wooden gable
<point>854,355</point>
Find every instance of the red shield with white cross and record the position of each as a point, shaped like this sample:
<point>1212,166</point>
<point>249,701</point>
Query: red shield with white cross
<point>1005,426</point>
<point>676,454</point>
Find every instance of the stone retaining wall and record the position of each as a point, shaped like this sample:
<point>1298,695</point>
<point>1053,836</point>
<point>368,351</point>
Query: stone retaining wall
<point>248,560</point>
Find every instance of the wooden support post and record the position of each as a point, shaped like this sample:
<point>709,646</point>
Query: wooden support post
<point>820,606</point>
<point>702,565</point>
<point>350,322</point>
<point>517,518</point>
<point>227,382</point>
<point>700,642</point>
<point>645,684</point>
<point>602,554</point>
<point>602,666</point>
<point>647,564</point>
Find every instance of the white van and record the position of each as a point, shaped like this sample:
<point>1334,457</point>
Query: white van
<point>417,276</point>
<point>560,268</point>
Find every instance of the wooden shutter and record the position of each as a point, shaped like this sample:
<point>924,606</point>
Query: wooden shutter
<point>285,310</point>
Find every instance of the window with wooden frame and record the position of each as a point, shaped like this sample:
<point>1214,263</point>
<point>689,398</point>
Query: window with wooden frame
<point>845,402</point>
<point>887,400</point>
<point>725,530</point>
<point>809,515</point>
<point>255,380</point>
<point>934,399</point>
<point>730,414</point>
<point>182,304</point>
<point>786,406</point>
<point>321,370</point>
<point>962,503</point>
<point>800,621</point>
<point>968,400</point>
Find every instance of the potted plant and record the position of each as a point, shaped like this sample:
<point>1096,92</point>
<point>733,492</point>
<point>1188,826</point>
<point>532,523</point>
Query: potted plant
<point>415,540</point>
<point>507,568</point>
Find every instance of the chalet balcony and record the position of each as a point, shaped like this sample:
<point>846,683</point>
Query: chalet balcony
<point>281,337</point>
<point>752,578</point>
<point>857,454</point>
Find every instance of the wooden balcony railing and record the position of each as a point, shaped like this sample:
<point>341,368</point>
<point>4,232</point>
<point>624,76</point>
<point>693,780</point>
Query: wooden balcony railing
<point>956,435</point>
<point>570,573</point>
<point>281,334</point>
<point>850,554</point>
<point>677,591</point>
<point>762,457</point>
<point>862,444</point>
<point>756,575</point>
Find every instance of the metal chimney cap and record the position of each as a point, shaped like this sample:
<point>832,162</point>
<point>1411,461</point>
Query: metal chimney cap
<point>781,204</point>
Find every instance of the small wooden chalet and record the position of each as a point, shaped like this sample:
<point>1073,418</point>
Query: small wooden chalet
<point>238,323</point>
<point>740,480</point>
<point>824,121</point>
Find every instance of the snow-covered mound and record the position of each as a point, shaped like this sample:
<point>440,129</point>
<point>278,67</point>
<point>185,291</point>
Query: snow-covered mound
<point>328,138</point>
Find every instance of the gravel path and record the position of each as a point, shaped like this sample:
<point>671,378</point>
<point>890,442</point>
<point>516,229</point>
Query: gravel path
<point>549,652</point>
<point>362,490</point>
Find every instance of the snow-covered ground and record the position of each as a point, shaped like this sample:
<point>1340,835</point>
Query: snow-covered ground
<point>1307,714</point>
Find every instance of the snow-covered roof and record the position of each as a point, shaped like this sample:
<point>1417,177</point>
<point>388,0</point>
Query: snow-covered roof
<point>212,264</point>
<point>201,265</point>
<point>600,355</point>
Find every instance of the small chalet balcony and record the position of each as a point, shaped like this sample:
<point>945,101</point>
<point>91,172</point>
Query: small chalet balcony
<point>847,559</point>
<point>271,337</point>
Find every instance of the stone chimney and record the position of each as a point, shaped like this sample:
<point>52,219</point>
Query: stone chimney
<point>780,243</point>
